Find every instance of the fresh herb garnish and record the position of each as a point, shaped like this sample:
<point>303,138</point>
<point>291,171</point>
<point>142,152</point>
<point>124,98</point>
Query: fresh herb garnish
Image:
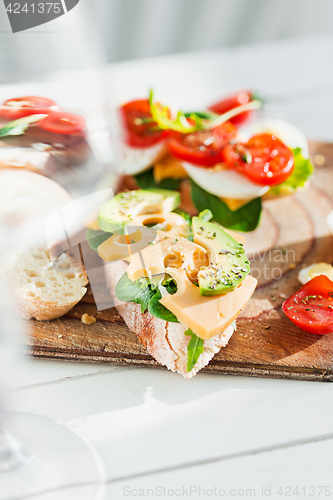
<point>205,215</point>
<point>195,347</point>
<point>18,127</point>
<point>244,219</point>
<point>145,292</point>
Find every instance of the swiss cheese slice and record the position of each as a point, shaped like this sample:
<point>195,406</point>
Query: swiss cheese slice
<point>181,258</point>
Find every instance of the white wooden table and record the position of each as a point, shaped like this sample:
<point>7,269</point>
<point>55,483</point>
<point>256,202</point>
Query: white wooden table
<point>246,437</point>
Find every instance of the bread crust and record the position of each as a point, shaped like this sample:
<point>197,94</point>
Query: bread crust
<point>40,291</point>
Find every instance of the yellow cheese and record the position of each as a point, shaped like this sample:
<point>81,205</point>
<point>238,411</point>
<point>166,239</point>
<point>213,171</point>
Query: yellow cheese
<point>171,222</point>
<point>234,204</point>
<point>169,168</point>
<point>182,259</point>
<point>91,223</point>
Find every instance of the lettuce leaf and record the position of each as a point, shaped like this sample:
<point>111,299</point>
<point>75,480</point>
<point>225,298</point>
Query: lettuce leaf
<point>303,170</point>
<point>244,219</point>
<point>195,347</point>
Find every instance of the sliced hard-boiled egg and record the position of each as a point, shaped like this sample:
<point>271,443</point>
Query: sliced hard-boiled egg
<point>314,270</point>
<point>291,135</point>
<point>224,182</point>
<point>227,183</point>
<point>132,161</point>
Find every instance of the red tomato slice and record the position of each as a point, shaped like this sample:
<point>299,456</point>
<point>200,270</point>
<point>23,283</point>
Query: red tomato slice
<point>63,123</point>
<point>264,159</point>
<point>311,308</point>
<point>231,102</point>
<point>13,109</point>
<point>140,129</point>
<point>203,147</point>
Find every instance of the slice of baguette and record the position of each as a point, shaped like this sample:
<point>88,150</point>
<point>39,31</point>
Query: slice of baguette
<point>40,289</point>
<point>164,341</point>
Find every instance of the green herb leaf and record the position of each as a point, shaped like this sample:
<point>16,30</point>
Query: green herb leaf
<point>195,347</point>
<point>139,291</point>
<point>146,181</point>
<point>244,219</point>
<point>204,115</point>
<point>146,293</point>
<point>96,238</point>
<point>180,124</point>
<point>303,170</point>
<point>170,285</point>
<point>206,215</point>
<point>18,127</point>
<point>155,308</point>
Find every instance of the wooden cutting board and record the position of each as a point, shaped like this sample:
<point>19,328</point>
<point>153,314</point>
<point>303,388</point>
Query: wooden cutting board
<point>293,234</point>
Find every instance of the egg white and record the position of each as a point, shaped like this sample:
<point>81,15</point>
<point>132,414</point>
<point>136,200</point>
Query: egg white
<point>231,184</point>
<point>224,183</point>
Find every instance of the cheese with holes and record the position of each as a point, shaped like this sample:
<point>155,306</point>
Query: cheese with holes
<point>182,259</point>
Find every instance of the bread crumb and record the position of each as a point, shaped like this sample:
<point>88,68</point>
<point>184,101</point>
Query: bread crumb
<point>283,296</point>
<point>59,336</point>
<point>292,265</point>
<point>87,320</point>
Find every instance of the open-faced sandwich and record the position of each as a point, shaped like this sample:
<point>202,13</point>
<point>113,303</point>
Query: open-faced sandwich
<point>211,158</point>
<point>178,282</point>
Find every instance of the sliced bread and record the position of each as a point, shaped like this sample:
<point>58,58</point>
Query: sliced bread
<point>41,289</point>
<point>165,341</point>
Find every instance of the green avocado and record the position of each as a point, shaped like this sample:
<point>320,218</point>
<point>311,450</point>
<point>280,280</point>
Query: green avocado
<point>228,265</point>
<point>116,213</point>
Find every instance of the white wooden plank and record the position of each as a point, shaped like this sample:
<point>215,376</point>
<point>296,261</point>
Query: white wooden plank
<point>141,420</point>
<point>38,371</point>
<point>301,472</point>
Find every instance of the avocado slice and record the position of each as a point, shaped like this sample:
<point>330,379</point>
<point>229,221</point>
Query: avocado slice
<point>228,265</point>
<point>116,213</point>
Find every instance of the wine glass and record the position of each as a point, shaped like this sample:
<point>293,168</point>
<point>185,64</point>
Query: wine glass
<point>62,61</point>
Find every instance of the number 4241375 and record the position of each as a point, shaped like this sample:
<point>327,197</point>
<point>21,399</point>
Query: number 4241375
<point>40,8</point>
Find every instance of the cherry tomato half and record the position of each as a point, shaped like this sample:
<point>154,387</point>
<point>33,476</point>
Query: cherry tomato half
<point>16,108</point>
<point>311,308</point>
<point>141,131</point>
<point>63,123</point>
<point>231,102</point>
<point>264,159</point>
<point>203,147</point>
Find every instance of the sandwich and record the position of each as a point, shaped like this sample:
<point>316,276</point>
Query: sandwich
<point>178,282</point>
<point>217,158</point>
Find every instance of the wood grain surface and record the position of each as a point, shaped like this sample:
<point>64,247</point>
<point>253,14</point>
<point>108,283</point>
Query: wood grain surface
<point>293,234</point>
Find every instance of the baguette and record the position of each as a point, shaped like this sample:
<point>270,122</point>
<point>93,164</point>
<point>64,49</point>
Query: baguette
<point>40,289</point>
<point>165,341</point>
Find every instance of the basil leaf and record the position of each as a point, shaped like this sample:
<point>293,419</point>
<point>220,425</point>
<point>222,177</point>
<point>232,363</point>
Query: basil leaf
<point>146,181</point>
<point>96,238</point>
<point>155,308</point>
<point>303,170</point>
<point>170,285</point>
<point>195,347</point>
<point>139,291</point>
<point>244,219</point>
<point>18,127</point>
